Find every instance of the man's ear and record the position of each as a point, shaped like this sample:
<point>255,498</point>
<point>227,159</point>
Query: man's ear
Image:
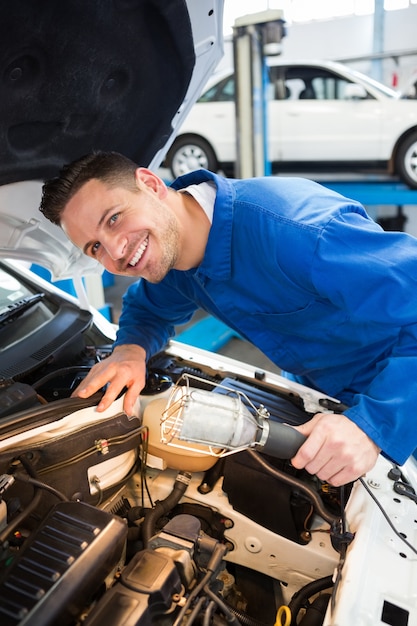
<point>147,178</point>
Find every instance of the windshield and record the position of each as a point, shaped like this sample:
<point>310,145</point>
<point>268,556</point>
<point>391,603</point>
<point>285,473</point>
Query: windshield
<point>387,91</point>
<point>36,325</point>
<point>11,290</point>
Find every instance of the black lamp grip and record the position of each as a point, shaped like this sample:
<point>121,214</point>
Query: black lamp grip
<point>283,441</point>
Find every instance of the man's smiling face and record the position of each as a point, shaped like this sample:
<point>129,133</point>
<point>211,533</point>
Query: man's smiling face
<point>132,233</point>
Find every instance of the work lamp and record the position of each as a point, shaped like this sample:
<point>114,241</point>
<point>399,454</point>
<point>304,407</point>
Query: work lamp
<point>224,420</point>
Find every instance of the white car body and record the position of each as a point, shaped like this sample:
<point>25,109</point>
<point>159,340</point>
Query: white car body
<point>350,120</point>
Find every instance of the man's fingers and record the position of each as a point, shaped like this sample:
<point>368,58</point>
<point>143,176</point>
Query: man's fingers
<point>115,386</point>
<point>336,449</point>
<point>96,379</point>
<point>310,448</point>
<point>130,399</point>
<point>125,368</point>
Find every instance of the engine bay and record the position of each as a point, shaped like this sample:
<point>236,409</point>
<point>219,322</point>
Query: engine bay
<point>101,522</point>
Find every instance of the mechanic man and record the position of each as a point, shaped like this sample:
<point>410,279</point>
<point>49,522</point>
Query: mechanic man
<point>298,270</point>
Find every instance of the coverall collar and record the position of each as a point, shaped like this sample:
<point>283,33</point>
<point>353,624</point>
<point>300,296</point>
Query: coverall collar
<point>216,263</point>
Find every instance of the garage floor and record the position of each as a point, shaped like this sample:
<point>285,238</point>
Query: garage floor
<point>235,348</point>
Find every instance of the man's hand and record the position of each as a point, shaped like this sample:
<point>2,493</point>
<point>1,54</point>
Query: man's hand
<point>126,367</point>
<point>336,449</point>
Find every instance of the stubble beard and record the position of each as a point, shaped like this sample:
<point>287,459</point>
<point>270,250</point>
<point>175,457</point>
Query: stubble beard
<point>169,242</point>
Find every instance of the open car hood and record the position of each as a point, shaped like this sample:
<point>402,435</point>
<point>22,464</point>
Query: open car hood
<point>100,75</point>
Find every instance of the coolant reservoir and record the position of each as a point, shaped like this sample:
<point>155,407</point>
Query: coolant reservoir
<point>186,458</point>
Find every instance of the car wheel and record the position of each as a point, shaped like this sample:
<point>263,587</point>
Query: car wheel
<point>406,161</point>
<point>188,154</point>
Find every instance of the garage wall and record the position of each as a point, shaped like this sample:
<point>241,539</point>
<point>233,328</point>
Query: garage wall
<point>348,37</point>
<point>400,33</point>
<point>330,39</point>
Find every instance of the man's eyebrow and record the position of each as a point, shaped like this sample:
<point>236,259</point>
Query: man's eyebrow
<point>99,224</point>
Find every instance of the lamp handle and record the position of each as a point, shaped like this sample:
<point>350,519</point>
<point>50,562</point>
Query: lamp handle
<point>283,441</point>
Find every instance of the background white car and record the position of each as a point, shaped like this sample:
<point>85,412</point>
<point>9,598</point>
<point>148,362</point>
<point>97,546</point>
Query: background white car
<point>318,113</point>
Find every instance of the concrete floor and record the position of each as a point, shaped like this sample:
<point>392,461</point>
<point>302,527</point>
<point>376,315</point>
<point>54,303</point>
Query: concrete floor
<point>235,348</point>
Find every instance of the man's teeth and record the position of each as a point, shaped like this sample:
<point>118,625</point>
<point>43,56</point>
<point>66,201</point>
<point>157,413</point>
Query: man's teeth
<point>134,260</point>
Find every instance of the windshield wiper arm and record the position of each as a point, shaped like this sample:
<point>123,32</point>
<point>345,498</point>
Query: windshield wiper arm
<point>16,309</point>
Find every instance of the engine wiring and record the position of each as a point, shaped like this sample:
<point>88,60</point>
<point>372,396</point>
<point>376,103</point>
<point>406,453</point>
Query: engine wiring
<point>41,485</point>
<point>211,571</point>
<point>33,479</point>
<point>143,464</point>
<point>386,516</point>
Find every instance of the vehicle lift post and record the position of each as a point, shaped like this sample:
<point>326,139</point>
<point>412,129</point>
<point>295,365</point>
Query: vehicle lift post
<point>255,36</point>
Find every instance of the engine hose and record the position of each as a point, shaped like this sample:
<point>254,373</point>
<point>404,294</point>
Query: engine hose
<point>297,484</point>
<point>301,596</point>
<point>41,485</point>
<point>164,506</point>
<point>316,612</point>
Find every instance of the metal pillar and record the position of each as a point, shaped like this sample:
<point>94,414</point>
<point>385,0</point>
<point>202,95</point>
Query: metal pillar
<point>378,43</point>
<point>255,36</point>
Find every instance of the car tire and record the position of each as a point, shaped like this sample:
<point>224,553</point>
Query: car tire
<point>406,161</point>
<point>189,153</point>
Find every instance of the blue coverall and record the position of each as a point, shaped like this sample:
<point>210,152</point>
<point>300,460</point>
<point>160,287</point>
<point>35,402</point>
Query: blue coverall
<point>310,279</point>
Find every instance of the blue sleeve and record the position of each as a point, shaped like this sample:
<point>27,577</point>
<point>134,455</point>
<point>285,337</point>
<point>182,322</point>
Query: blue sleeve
<point>150,314</point>
<point>372,275</point>
<point>387,411</point>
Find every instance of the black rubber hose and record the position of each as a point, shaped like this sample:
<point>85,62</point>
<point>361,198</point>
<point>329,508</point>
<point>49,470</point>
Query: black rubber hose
<point>164,506</point>
<point>297,484</point>
<point>299,599</point>
<point>41,485</point>
<point>316,612</point>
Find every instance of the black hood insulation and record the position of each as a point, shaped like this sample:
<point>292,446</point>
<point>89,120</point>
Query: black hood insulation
<point>81,75</point>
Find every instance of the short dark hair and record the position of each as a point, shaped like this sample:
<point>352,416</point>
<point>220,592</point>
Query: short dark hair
<point>112,168</point>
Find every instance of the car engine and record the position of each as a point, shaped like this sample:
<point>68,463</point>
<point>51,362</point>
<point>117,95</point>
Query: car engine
<point>102,522</point>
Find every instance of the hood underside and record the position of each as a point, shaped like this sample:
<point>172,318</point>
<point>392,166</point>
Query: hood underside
<point>79,76</point>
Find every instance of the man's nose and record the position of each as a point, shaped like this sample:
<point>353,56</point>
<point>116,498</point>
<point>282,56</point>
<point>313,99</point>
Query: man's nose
<point>116,247</point>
